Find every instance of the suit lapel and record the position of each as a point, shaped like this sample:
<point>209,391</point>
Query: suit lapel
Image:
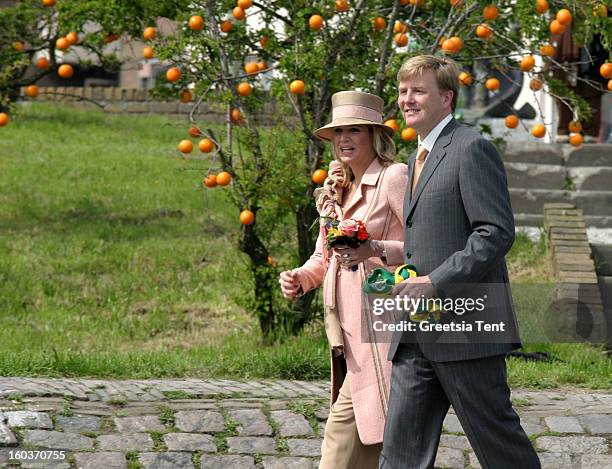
<point>369,178</point>
<point>431,163</point>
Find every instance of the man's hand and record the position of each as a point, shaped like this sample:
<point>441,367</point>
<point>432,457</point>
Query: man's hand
<point>415,287</point>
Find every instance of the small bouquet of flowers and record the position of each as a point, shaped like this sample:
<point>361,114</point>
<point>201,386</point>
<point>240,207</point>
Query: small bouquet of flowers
<point>349,232</point>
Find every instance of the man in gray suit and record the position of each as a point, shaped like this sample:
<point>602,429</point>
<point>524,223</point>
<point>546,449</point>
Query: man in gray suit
<point>459,226</point>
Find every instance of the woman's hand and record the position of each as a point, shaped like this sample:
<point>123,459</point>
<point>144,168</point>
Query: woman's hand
<point>348,257</point>
<point>290,284</point>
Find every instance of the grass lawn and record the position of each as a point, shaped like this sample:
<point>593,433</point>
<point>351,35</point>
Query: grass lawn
<point>114,262</point>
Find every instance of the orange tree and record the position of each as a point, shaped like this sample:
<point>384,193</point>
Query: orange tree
<point>245,54</point>
<point>35,35</point>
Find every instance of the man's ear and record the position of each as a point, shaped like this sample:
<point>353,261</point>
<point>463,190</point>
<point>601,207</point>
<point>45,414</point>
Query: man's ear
<point>448,97</point>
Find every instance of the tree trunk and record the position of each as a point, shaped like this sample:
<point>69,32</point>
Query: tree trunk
<point>264,277</point>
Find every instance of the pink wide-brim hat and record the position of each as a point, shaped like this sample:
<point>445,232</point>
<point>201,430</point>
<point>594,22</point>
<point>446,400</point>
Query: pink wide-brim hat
<point>354,108</point>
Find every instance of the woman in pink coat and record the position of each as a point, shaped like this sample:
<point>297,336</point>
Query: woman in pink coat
<point>364,184</point>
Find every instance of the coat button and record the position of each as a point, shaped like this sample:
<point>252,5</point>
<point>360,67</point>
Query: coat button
<point>409,223</point>
<point>408,255</point>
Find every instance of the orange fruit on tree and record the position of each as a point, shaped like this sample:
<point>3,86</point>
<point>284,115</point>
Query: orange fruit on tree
<point>206,145</point>
<point>393,124</point>
<point>251,67</point>
<point>547,50</point>
<point>527,63</point>
<point>319,176</point>
<point>194,132</point>
<point>404,2</point>
<point>149,33</point>
<point>556,27</point>
<point>245,4</point>
<point>236,116</point>
<point>512,121</point>
<point>62,43</point>
<point>42,63</point>
<point>417,2</point>
<point>492,84</point>
<point>379,23</point>
<point>65,71</point>
<point>244,88</point>
<point>263,41</point>
<point>32,91</point>
<point>400,27</point>
<point>465,79</point>
<point>490,12</point>
<point>408,134</point>
<point>538,130</point>
<point>297,87</point>
<point>226,26</point>
<point>610,85</point>
<point>342,5</point>
<point>271,261</point>
<point>564,16</point>
<point>449,46</point>
<point>173,74</point>
<point>576,139</point>
<point>72,37</point>
<point>238,13</point>
<point>185,146</point>
<point>456,3</point>
<point>196,23</point>
<point>535,84</point>
<point>401,39</point>
<point>574,127</point>
<point>247,217</point>
<point>210,181</point>
<point>4,119</point>
<point>18,46</point>
<point>148,53</point>
<point>606,70</point>
<point>484,31</point>
<point>185,96</point>
<point>224,178</point>
<point>263,65</point>
<point>458,42</point>
<point>315,22</point>
<point>49,3</point>
<point>541,6</point>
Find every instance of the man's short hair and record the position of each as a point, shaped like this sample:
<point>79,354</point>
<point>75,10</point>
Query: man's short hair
<point>444,69</point>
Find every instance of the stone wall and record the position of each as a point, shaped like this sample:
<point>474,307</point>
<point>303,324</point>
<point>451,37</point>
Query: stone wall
<point>135,101</point>
<point>578,297</point>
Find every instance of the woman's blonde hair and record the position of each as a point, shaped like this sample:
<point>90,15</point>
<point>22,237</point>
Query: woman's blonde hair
<point>384,149</point>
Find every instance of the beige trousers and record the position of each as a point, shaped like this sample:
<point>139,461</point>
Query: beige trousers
<point>341,448</point>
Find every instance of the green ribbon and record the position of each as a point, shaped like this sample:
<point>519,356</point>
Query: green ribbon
<point>380,283</point>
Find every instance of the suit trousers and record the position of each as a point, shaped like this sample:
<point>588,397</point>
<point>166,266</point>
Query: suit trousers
<point>421,393</point>
<point>342,448</point>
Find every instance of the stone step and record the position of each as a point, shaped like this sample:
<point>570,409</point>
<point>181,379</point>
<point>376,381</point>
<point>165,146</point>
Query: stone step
<point>590,154</point>
<point>531,201</point>
<point>602,255</point>
<point>590,178</point>
<point>539,153</point>
<point>536,176</point>
<point>534,219</point>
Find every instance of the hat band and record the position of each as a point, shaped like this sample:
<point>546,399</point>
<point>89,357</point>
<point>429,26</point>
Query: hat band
<point>357,112</point>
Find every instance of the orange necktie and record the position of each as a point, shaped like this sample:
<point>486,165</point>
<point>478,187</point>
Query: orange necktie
<point>418,167</point>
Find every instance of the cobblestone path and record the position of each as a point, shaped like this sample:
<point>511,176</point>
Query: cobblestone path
<point>223,424</point>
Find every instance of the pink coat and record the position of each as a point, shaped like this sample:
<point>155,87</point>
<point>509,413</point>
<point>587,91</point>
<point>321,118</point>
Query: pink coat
<point>366,360</point>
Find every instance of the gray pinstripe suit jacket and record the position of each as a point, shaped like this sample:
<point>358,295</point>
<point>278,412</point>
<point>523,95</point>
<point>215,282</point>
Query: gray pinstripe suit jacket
<point>458,227</point>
